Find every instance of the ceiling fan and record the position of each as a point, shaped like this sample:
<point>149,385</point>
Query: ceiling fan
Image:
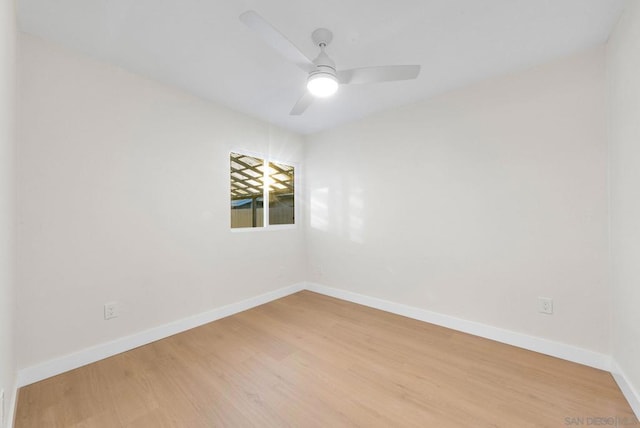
<point>323,78</point>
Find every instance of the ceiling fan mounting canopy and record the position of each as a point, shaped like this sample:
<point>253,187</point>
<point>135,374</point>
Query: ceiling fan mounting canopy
<point>323,77</point>
<point>321,36</point>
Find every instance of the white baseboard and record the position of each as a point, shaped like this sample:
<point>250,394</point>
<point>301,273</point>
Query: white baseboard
<point>630,393</point>
<point>532,343</point>
<point>86,356</point>
<point>11,412</point>
<point>65,363</point>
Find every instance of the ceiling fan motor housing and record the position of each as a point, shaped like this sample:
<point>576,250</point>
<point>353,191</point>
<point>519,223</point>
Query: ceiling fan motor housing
<point>322,82</point>
<point>324,64</point>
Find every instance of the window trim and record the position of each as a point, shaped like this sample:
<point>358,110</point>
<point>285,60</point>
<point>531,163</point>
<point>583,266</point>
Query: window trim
<point>266,227</point>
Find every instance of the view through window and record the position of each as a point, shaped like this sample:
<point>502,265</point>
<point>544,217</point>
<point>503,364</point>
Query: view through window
<point>254,180</point>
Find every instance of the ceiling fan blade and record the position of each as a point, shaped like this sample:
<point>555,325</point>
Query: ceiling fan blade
<point>385,73</point>
<point>276,39</point>
<point>305,101</point>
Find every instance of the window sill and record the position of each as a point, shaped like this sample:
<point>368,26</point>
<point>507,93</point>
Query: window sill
<point>264,229</point>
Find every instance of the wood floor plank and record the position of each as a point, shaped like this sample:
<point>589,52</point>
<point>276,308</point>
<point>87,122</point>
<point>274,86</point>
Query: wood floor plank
<point>309,360</point>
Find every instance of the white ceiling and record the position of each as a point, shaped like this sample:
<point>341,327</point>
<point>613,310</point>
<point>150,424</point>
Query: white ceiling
<point>202,47</point>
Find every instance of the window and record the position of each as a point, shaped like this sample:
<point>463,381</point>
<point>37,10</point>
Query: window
<point>248,192</point>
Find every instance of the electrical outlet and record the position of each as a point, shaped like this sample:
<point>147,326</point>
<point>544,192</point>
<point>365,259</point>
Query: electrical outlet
<point>545,305</point>
<point>111,310</point>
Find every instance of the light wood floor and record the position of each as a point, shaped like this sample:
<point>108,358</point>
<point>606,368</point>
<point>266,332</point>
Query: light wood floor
<point>312,361</point>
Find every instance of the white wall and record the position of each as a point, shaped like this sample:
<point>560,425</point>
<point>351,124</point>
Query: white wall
<point>7,75</point>
<point>123,196</point>
<point>475,203</point>
<point>623,72</point>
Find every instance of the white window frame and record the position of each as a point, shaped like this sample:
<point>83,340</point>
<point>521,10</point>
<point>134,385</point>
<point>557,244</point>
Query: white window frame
<point>265,193</point>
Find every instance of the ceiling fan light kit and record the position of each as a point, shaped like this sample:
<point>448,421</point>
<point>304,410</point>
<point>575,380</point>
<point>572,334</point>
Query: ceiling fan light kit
<point>323,78</point>
<point>322,85</point>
